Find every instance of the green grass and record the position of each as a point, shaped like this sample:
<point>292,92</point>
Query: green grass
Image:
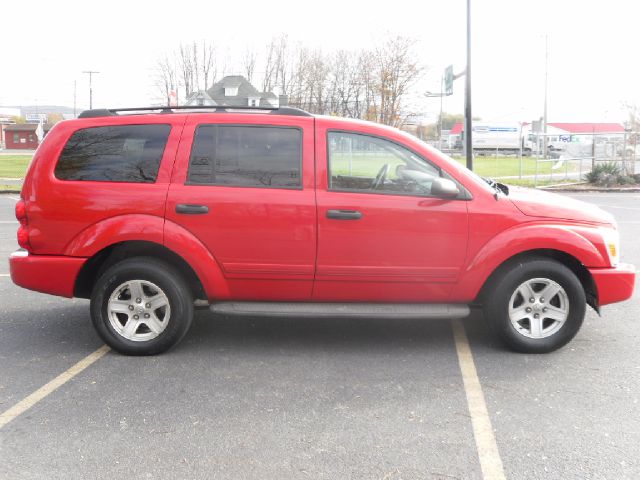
<point>14,166</point>
<point>368,165</point>
<point>497,167</point>
<point>363,165</point>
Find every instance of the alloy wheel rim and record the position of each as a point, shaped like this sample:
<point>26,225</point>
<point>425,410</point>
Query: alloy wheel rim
<point>138,310</point>
<point>538,308</point>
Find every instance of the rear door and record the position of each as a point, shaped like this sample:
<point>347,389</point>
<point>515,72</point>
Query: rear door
<point>244,186</point>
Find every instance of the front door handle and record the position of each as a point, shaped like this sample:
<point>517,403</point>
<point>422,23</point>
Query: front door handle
<point>344,214</point>
<point>190,209</point>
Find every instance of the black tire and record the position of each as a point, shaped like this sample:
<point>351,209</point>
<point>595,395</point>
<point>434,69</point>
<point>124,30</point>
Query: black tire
<point>498,295</point>
<point>147,271</point>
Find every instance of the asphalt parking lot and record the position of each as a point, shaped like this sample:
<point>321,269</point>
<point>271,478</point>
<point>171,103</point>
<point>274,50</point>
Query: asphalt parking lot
<point>272,398</point>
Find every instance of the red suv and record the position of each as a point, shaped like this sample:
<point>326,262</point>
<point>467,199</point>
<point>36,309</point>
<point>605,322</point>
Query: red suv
<point>151,213</point>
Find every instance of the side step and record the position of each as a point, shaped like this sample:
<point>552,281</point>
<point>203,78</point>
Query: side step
<point>348,310</point>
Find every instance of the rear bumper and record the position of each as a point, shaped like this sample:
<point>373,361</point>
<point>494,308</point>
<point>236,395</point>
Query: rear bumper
<point>614,284</point>
<point>55,275</point>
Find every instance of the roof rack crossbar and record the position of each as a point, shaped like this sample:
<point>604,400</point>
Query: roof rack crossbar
<point>106,112</point>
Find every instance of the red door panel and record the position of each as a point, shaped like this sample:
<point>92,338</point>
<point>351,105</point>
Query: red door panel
<point>402,248</point>
<point>264,239</point>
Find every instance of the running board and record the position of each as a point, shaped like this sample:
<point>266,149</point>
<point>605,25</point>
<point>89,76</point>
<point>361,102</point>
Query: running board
<point>349,310</point>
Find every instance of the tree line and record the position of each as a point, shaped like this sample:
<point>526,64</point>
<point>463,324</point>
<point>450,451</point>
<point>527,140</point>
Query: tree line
<point>372,84</point>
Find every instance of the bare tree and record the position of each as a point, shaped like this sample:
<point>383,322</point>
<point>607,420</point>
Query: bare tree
<point>187,68</point>
<point>270,67</point>
<point>166,79</point>
<point>280,68</point>
<point>370,84</point>
<point>208,66</point>
<point>397,71</point>
<point>345,85</point>
<point>249,64</point>
<point>283,65</point>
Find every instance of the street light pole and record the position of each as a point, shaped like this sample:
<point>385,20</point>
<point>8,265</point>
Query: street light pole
<point>546,75</point>
<point>468,129</point>
<point>434,95</point>
<point>441,97</point>
<point>90,72</point>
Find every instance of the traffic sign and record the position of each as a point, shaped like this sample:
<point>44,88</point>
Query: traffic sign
<point>448,80</point>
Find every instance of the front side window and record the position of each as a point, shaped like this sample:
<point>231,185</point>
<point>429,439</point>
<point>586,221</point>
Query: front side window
<point>246,156</point>
<point>122,153</point>
<point>370,164</point>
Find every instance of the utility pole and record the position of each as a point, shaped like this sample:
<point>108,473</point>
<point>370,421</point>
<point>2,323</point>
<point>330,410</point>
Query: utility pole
<point>546,69</point>
<point>468,129</point>
<point>74,98</point>
<point>441,97</point>
<point>90,72</point>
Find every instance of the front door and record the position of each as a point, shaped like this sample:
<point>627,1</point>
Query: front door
<point>381,236</point>
<point>245,190</point>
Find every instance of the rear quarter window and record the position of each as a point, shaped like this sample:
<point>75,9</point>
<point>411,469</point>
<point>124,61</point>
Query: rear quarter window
<point>121,153</point>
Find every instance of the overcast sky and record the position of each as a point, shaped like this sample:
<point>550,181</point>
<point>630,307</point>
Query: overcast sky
<point>593,58</point>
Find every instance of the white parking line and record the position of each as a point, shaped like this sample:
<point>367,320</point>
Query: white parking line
<point>9,221</point>
<point>24,405</point>
<point>11,197</point>
<point>490,462</point>
<point>5,275</point>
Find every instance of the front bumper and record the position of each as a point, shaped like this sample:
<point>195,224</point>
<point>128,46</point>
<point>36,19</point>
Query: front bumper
<point>614,284</point>
<point>51,274</point>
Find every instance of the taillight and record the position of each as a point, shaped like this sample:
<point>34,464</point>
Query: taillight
<point>23,237</point>
<point>23,230</point>
<point>21,212</point>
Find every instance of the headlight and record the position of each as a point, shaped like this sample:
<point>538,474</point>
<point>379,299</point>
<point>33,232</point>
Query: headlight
<point>611,239</point>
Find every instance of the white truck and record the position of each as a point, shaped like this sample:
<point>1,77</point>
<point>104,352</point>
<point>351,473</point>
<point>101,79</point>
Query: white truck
<point>502,138</point>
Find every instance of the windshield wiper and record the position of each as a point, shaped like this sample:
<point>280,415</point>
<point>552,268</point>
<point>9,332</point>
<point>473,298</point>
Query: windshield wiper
<point>498,187</point>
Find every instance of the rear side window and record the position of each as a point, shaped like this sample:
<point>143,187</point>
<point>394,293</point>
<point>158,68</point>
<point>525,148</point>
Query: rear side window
<point>246,156</point>
<point>122,153</point>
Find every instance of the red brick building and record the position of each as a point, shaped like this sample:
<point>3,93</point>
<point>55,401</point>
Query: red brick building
<point>21,136</point>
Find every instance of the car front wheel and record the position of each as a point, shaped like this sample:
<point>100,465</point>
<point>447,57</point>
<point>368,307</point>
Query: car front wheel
<point>535,306</point>
<point>141,306</point>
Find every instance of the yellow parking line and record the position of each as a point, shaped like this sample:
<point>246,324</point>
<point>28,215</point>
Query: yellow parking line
<point>490,462</point>
<point>24,405</point>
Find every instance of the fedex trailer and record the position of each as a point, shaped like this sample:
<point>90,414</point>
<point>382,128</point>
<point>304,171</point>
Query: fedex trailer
<point>503,138</point>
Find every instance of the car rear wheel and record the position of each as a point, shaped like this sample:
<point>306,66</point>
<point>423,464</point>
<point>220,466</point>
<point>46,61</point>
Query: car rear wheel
<point>141,306</point>
<point>535,306</point>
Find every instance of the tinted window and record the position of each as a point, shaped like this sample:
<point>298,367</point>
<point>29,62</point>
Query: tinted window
<point>246,156</point>
<point>126,153</point>
<point>373,165</point>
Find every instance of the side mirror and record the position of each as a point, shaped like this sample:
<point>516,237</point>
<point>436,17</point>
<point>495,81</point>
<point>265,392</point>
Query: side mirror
<point>444,188</point>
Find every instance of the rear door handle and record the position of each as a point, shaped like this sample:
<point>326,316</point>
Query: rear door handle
<point>344,214</point>
<point>190,209</point>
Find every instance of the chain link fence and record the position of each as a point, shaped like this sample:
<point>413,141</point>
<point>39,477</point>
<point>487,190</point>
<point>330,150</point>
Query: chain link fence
<point>568,158</point>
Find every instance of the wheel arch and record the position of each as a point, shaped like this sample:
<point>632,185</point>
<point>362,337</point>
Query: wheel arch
<point>114,253</point>
<point>564,258</point>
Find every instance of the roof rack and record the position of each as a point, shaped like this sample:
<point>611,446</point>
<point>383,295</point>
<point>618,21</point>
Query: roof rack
<point>108,112</point>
